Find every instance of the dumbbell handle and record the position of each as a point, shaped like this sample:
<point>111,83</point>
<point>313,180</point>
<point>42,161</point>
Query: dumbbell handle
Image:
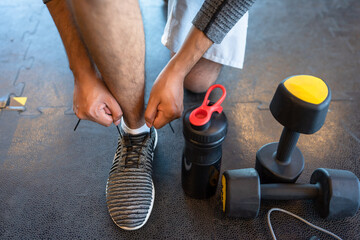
<point>286,145</point>
<point>284,191</point>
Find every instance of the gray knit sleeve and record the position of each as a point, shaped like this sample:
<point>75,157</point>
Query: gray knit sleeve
<point>216,17</point>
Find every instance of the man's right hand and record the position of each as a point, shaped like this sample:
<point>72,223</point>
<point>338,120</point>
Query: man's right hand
<point>93,101</point>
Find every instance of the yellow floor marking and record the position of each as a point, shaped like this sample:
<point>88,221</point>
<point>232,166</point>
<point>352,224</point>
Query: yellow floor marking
<point>21,100</point>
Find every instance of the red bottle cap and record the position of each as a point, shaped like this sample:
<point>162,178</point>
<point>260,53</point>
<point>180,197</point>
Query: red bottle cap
<point>201,115</point>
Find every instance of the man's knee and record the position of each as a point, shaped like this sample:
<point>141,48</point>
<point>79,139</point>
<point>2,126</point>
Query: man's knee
<point>197,84</point>
<point>202,76</point>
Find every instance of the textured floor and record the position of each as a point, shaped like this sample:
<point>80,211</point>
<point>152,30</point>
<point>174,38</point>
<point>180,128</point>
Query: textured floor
<point>52,180</point>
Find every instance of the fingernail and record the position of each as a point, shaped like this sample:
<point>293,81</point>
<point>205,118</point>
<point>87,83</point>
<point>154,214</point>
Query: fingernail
<point>117,122</point>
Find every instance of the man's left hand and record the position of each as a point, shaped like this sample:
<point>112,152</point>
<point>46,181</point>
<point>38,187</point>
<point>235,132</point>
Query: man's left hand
<point>166,98</point>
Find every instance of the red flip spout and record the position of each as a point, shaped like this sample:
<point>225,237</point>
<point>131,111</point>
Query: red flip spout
<point>201,115</point>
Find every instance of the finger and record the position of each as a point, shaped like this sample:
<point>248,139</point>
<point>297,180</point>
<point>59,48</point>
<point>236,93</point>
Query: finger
<point>115,110</point>
<point>80,114</point>
<point>107,111</point>
<point>161,120</point>
<point>100,116</point>
<point>151,111</point>
<point>104,119</point>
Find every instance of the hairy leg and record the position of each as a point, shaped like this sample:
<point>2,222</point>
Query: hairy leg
<point>114,35</point>
<point>202,75</point>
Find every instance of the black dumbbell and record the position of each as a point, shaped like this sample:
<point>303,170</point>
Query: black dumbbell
<point>300,104</point>
<point>335,192</point>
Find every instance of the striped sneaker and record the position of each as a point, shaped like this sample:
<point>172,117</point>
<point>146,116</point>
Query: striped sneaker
<point>130,190</point>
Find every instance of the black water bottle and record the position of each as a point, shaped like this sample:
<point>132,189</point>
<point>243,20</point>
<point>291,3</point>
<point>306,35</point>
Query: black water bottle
<point>204,130</point>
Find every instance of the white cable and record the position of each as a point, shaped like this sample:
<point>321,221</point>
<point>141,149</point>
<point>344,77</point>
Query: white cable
<point>299,218</point>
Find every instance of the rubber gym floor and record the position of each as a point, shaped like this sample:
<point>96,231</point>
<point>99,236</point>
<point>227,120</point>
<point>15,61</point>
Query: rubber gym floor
<point>52,179</point>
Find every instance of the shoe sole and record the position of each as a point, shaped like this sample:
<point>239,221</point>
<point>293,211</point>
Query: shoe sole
<point>152,198</point>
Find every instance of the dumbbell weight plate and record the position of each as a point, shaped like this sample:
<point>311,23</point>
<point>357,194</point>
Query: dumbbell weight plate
<point>340,192</point>
<point>241,193</point>
<point>274,171</point>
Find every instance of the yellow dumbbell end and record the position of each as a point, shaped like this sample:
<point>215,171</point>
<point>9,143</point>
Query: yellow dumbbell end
<point>307,88</point>
<point>223,192</point>
<point>300,103</point>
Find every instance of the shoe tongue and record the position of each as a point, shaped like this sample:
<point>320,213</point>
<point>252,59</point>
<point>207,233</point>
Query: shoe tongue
<point>133,151</point>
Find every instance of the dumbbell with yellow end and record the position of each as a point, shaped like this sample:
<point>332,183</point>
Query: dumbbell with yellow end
<point>336,192</point>
<point>300,104</point>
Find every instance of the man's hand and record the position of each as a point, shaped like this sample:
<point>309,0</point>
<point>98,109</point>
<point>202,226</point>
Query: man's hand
<point>93,101</point>
<point>166,98</point>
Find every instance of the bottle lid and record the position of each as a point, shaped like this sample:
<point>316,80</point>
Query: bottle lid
<point>210,135</point>
<point>202,115</point>
<point>207,124</point>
